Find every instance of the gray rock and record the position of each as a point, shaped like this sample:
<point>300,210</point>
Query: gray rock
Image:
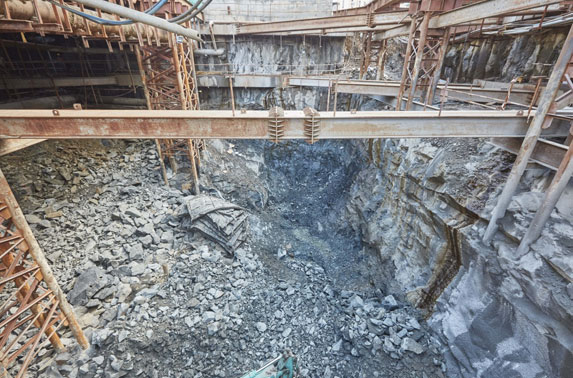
<point>135,251</point>
<point>211,256</point>
<point>389,303</point>
<point>208,316</point>
<point>33,219</point>
<point>85,368</point>
<point>388,346</point>
<point>356,301</point>
<point>134,213</point>
<point>261,327</point>
<point>122,335</point>
<point>570,290</point>
<point>87,285</point>
<point>337,345</point>
<point>167,236</point>
<point>98,360</point>
<point>213,328</point>
<point>411,345</point>
<point>148,229</point>
<point>137,269</point>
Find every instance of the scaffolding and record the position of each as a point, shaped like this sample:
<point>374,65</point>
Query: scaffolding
<point>169,81</point>
<point>33,308</point>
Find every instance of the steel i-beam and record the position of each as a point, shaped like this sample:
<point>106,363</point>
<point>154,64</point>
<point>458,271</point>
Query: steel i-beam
<point>57,124</point>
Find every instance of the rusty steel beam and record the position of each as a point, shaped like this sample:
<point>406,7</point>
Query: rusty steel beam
<point>335,22</point>
<point>473,12</point>
<point>222,124</point>
<point>546,153</point>
<point>461,92</point>
<point>26,83</point>
<point>371,7</point>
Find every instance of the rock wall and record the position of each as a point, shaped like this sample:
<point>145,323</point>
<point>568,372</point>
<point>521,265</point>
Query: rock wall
<point>421,207</point>
<point>504,59</point>
<point>295,55</point>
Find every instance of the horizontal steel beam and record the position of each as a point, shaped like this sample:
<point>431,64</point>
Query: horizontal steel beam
<point>221,124</point>
<point>473,12</point>
<point>371,7</point>
<point>461,92</point>
<point>335,22</point>
<point>27,83</point>
<point>546,153</point>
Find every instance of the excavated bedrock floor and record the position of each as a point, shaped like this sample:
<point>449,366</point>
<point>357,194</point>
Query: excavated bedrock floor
<point>157,300</point>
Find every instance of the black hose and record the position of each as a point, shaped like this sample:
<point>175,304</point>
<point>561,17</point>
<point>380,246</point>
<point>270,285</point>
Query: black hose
<point>179,19</point>
<point>207,2</point>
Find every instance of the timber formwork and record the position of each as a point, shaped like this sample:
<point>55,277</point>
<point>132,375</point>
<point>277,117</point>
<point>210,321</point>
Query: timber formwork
<point>168,76</point>
<point>33,308</point>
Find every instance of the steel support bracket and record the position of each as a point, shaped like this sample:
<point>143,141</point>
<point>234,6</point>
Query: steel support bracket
<point>311,124</point>
<point>276,123</point>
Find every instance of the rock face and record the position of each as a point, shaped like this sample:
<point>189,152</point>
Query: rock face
<point>271,55</point>
<point>503,60</point>
<point>421,208</point>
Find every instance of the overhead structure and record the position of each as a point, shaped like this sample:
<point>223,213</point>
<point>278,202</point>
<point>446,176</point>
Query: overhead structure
<point>176,124</point>
<point>168,77</point>
<point>472,12</point>
<point>61,17</point>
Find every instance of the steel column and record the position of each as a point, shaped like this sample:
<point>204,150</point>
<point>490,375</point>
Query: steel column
<point>407,58</point>
<point>419,57</point>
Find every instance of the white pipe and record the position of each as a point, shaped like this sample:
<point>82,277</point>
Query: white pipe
<point>209,52</point>
<point>141,17</point>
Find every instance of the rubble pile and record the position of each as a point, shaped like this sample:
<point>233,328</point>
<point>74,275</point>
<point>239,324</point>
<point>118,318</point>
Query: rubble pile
<point>157,300</point>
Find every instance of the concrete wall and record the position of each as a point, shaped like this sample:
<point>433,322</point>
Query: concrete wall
<point>266,10</point>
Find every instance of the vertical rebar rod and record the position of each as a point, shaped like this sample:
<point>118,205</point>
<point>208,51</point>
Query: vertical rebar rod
<point>533,133</point>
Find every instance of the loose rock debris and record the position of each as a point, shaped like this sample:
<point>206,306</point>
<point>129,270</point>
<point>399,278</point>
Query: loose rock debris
<point>207,315</point>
